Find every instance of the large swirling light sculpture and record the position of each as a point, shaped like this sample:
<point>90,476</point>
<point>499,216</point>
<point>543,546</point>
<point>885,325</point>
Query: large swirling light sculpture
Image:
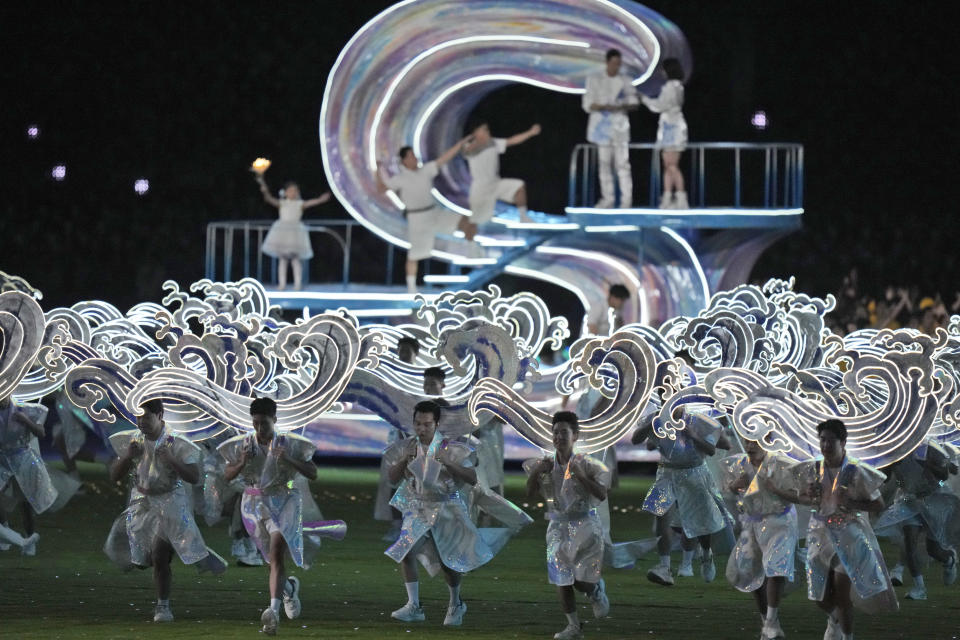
<point>412,75</point>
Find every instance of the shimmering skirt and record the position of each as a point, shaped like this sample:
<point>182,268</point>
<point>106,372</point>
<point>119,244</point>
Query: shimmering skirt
<point>26,468</point>
<point>166,517</point>
<point>699,507</point>
<point>574,548</point>
<point>766,549</point>
<point>938,513</point>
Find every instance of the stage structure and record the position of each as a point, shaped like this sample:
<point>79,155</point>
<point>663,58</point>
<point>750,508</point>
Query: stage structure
<point>413,74</point>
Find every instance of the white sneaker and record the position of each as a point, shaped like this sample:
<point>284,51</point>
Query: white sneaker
<point>269,619</point>
<point>162,613</point>
<point>666,201</point>
<point>603,203</point>
<point>708,569</point>
<point>680,200</point>
<point>772,630</point>
<point>896,576</point>
<point>917,593</point>
<point>409,613</point>
<point>950,568</point>
<point>454,617</point>
<point>600,601</point>
<point>291,601</point>
<point>30,545</point>
<point>833,631</point>
<point>685,570</point>
<point>660,574</point>
<point>571,632</point>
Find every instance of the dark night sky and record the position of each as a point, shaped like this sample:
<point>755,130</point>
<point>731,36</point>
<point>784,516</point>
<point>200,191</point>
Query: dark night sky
<point>187,94</point>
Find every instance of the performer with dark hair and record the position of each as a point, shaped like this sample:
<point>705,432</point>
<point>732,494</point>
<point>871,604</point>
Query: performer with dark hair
<point>572,485</point>
<point>482,152</point>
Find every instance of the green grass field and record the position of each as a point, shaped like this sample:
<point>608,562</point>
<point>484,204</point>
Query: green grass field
<point>71,590</point>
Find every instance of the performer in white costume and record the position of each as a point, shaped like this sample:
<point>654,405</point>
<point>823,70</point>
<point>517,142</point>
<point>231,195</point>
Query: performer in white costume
<point>159,516</point>
<point>425,218</point>
<point>437,529</point>
<point>609,96</point>
<point>763,560</point>
<point>671,134</point>
<point>845,567</point>
<point>272,503</point>
<point>288,240</point>
<point>684,495</point>
<point>482,152</point>
<point>24,479</point>
<point>924,506</point>
<point>572,485</point>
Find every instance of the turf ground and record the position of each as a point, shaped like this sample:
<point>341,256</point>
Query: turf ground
<point>71,590</point>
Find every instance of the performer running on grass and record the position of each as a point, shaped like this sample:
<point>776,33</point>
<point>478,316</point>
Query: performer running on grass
<point>407,350</point>
<point>572,486</point>
<point>608,97</point>
<point>764,557</point>
<point>437,529</point>
<point>159,517</point>
<point>924,507</point>
<point>844,564</point>
<point>22,471</point>
<point>288,240</point>
<point>272,505</point>
<point>684,495</point>
<point>483,155</point>
<point>425,219</point>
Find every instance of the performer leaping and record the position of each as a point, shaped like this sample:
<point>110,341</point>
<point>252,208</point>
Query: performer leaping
<point>482,152</point>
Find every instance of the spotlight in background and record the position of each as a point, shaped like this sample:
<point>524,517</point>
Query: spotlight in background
<point>759,120</point>
<point>141,186</point>
<point>59,172</point>
<point>33,132</point>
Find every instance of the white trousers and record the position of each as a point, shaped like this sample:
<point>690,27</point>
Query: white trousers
<point>615,156</point>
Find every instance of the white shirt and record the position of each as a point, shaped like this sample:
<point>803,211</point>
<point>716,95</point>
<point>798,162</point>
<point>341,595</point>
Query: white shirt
<point>485,164</point>
<point>669,104</point>
<point>605,127</point>
<point>413,186</point>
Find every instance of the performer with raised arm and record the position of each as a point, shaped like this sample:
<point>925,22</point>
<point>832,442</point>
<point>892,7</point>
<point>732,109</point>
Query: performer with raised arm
<point>763,559</point>
<point>671,134</point>
<point>609,96</point>
<point>272,506</point>
<point>482,152</point>
<point>572,485</point>
<point>425,219</point>
<point>437,529</point>
<point>159,517</point>
<point>288,240</point>
<point>844,564</point>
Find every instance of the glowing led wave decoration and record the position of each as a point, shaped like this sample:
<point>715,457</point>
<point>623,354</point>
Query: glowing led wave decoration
<point>629,356</point>
<point>22,331</point>
<point>413,73</point>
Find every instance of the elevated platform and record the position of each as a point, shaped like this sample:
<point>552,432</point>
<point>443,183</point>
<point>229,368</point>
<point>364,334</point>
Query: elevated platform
<point>366,301</point>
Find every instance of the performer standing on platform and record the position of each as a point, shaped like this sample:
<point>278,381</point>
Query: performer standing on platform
<point>288,240</point>
<point>272,504</point>
<point>764,557</point>
<point>609,96</point>
<point>603,322</point>
<point>482,152</point>
<point>671,134</point>
<point>844,563</point>
<point>572,486</point>
<point>159,517</point>
<point>425,219</point>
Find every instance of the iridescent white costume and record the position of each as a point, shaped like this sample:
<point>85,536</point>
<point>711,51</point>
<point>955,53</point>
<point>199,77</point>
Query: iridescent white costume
<point>20,462</point>
<point>842,540</point>
<point>684,489</point>
<point>160,505</point>
<point>437,527</point>
<point>922,500</point>
<point>767,544</point>
<point>575,537</point>
<point>288,236</point>
<point>272,500</point>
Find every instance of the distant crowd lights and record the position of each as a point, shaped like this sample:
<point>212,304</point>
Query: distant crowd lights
<point>759,120</point>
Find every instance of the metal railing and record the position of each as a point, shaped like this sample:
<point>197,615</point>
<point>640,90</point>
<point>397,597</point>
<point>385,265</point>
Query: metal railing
<point>742,175</point>
<point>233,248</point>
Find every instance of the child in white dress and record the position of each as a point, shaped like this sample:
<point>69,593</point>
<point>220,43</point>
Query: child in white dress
<point>288,240</point>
